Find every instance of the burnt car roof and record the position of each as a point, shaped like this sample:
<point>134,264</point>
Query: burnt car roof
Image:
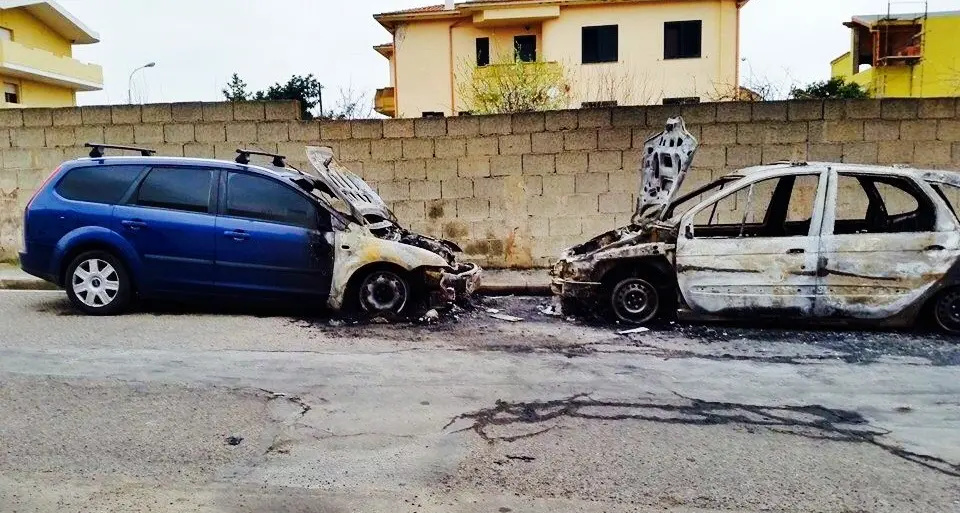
<point>944,176</point>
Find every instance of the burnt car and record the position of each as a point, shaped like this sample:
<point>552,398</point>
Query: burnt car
<point>792,240</point>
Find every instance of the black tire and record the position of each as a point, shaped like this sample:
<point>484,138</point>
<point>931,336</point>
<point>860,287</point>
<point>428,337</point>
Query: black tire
<point>384,292</point>
<point>946,311</point>
<point>108,291</point>
<point>635,300</point>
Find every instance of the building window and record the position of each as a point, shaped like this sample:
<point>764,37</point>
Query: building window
<point>6,34</point>
<point>483,51</point>
<point>11,93</point>
<point>600,44</point>
<point>682,39</point>
<point>526,48</point>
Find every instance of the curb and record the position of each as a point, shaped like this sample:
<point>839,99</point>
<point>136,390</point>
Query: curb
<point>25,284</point>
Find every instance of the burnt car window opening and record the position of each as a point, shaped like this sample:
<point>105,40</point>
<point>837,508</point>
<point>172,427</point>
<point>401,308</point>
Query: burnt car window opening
<point>775,207</point>
<point>262,199</point>
<point>881,204</point>
<point>176,188</point>
<point>950,194</point>
<point>684,203</point>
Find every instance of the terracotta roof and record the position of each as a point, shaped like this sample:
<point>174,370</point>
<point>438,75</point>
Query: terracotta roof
<point>427,8</point>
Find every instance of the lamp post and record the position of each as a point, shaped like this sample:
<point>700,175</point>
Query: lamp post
<point>130,81</point>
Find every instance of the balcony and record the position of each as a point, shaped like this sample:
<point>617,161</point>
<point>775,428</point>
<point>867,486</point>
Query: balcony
<point>515,16</point>
<point>42,66</point>
<point>385,102</point>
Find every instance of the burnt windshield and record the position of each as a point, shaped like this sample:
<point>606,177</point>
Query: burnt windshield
<point>681,205</point>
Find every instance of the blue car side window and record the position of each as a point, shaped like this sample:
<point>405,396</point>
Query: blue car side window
<point>98,184</point>
<point>262,199</point>
<point>177,188</point>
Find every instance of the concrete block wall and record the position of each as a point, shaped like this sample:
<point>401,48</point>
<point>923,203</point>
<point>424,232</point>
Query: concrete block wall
<point>513,190</point>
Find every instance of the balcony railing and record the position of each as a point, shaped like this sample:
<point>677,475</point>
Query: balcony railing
<point>43,66</point>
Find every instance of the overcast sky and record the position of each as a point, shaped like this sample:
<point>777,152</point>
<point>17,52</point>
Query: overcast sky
<point>198,44</point>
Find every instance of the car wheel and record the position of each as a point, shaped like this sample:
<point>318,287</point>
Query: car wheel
<point>97,283</point>
<point>384,292</point>
<point>635,300</point>
<point>946,311</point>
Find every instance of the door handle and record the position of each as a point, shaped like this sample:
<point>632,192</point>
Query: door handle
<point>237,235</point>
<point>935,247</point>
<point>133,224</point>
<point>796,251</point>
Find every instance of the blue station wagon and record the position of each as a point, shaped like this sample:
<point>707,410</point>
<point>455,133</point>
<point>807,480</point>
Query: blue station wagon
<point>112,229</point>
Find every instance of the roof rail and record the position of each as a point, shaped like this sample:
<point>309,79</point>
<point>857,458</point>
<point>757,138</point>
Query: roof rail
<point>97,151</point>
<point>243,157</point>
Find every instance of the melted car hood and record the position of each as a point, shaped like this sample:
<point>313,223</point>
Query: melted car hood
<point>349,188</point>
<point>667,157</point>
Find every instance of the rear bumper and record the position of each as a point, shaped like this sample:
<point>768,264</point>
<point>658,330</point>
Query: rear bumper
<point>34,267</point>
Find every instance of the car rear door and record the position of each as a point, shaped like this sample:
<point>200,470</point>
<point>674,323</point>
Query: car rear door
<point>169,220</point>
<point>886,240</point>
<point>753,251</point>
<point>271,239</point>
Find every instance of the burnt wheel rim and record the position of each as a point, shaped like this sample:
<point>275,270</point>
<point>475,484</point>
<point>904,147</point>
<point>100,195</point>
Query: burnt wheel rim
<point>635,301</point>
<point>383,292</point>
<point>948,311</point>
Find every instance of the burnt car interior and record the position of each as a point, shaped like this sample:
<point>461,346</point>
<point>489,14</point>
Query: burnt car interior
<point>776,207</point>
<point>893,205</point>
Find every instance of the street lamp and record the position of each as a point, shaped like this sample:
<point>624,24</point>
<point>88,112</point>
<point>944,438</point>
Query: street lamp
<point>130,81</point>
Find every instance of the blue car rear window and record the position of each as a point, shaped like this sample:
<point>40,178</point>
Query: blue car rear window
<point>98,184</point>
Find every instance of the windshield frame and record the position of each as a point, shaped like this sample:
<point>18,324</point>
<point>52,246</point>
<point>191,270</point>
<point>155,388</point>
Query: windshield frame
<point>670,212</point>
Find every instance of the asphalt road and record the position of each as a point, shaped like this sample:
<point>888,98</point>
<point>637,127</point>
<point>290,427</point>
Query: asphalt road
<point>136,413</point>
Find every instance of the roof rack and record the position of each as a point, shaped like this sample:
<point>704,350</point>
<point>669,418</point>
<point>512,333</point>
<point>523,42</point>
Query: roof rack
<point>97,151</point>
<point>243,157</point>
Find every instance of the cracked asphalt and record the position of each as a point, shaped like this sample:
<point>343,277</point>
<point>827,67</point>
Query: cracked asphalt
<point>175,409</point>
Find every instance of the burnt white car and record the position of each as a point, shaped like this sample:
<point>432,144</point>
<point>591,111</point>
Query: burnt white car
<point>793,240</point>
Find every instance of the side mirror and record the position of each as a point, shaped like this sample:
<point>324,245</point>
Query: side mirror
<point>688,232</point>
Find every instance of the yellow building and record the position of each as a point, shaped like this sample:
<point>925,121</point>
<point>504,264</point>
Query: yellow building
<point>904,55</point>
<point>623,52</point>
<point>37,68</point>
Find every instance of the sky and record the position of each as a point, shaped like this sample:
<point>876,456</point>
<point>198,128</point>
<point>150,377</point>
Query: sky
<point>198,44</point>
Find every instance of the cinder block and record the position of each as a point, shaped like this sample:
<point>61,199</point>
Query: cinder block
<point>456,188</point>
<point>699,114</point>
<point>628,117</point>
<point>67,116</point>
<point>119,134</point>
<point>918,130</point>
<point>463,126</point>
<point>899,108</point>
<point>411,169</point>
<point>37,117</point>
<point>249,111</point>
<point>741,156</point>
<point>367,129</point>
<point>441,169</point>
<point>545,206</point>
<point>828,152</point>
<point>187,112</point>
<point>473,209</point>
<point>59,137</point>
<point>572,163</point>
<point>956,155</point>
<point>499,124</point>
<point>27,138</point>
<point>88,134</point>
<point>881,130</point>
<point>547,142</point>
<point>483,146</point>
<point>581,204</point>
<point>720,133</point>
<point>770,111</point>
<point>446,147</point>
<point>430,127</point>
<point>751,133</point>
<point>580,140</point>
<point>539,164</point>
<point>216,111</point>
<point>273,131</point>
<point>417,148</point>
<point>559,185</point>
<point>335,130</point>
<point>395,190</point>
<point>784,133</point>
<point>101,115</point>
<point>937,108</point>
<point>592,182</point>
<point>531,185</point>
<point>632,159</point>
<point>625,181</point>
<point>490,187</point>
<point>306,131</point>
<point>556,120</point>
<point>241,132</point>
<point>425,190</point>
<point>604,161</point>
<point>410,210</point>
<point>896,152</point>
<point>772,153</point>
<point>862,109</point>
<point>948,130</point>
<point>47,159</point>
<point>379,170</point>
<point>657,116</point>
<point>517,144</point>
<point>836,131</point>
<point>641,134</point>
<point>386,149</point>
<point>565,226</point>
<point>616,203</point>
<point>472,167</point>
<point>506,165</point>
<point>834,110</point>
<point>932,153</point>
<point>125,115</point>
<point>354,149</point>
<point>4,138</point>
<point>173,150</point>
<point>805,110</point>
<point>282,110</point>
<point>615,139</point>
<point>156,113</point>
<point>528,122</point>
<point>209,132</point>
<point>734,112</point>
<point>712,156</point>
<point>17,159</point>
<point>860,153</point>
<point>397,128</point>
<point>594,118</point>
<point>198,150</point>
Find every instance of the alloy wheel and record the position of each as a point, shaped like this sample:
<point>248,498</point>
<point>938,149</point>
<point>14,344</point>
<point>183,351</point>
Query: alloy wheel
<point>95,283</point>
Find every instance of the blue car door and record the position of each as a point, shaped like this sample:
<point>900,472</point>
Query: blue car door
<point>271,239</point>
<point>170,221</point>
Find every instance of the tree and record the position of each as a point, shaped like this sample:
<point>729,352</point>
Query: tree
<point>834,88</point>
<point>511,85</point>
<point>306,89</point>
<point>236,90</point>
<point>350,105</point>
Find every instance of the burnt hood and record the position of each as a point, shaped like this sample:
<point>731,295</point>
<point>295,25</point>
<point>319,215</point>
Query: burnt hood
<point>357,195</point>
<point>667,157</point>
